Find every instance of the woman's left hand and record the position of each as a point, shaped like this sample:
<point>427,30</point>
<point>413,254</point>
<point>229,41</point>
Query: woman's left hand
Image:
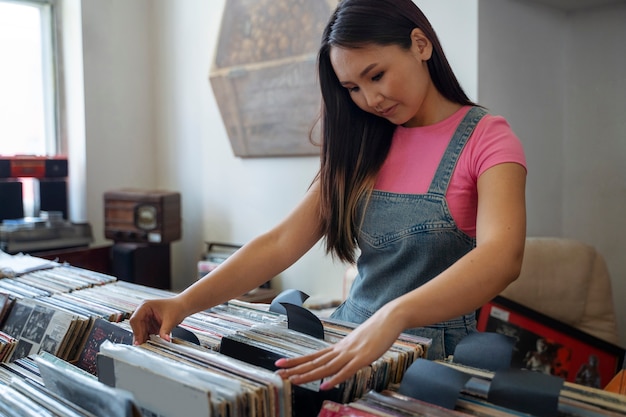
<point>358,349</point>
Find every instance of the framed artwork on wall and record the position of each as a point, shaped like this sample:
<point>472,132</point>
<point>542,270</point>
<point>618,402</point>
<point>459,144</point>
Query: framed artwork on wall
<point>264,75</point>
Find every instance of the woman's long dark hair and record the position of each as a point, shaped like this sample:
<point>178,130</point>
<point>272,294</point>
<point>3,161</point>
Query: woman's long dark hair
<point>355,143</point>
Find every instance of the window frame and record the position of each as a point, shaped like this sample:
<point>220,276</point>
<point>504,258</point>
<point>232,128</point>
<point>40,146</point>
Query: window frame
<point>52,57</point>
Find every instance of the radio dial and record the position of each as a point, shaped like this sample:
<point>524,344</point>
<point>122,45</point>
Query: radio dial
<point>146,217</point>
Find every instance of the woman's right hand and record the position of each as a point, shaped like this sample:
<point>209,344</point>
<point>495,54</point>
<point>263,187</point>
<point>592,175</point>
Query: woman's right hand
<point>156,317</point>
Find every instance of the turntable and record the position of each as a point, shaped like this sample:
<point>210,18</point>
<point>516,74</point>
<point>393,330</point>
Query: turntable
<point>47,231</point>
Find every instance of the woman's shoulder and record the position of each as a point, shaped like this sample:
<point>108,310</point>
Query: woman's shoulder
<point>494,141</point>
<point>494,127</point>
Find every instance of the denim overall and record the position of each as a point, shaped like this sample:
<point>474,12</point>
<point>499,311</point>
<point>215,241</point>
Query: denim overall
<point>406,240</point>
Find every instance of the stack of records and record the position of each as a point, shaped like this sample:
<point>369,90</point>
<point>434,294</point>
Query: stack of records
<point>59,279</point>
<point>43,385</point>
<point>253,334</point>
<point>120,297</point>
<point>186,379</point>
<point>81,317</point>
<point>387,404</point>
<point>64,278</point>
<point>210,326</point>
<point>61,322</point>
<point>101,331</point>
<point>263,344</point>
<point>17,289</point>
<point>7,345</point>
<point>235,347</point>
<point>40,325</point>
<point>52,307</point>
<point>23,369</point>
<point>406,349</point>
<point>573,399</point>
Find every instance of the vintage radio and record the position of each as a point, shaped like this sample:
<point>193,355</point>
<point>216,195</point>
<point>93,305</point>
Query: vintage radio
<point>133,215</point>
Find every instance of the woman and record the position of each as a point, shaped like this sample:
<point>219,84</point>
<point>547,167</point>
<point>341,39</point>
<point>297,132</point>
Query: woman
<point>414,177</point>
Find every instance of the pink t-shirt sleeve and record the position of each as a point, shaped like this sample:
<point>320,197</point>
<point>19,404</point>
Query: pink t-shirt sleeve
<point>416,152</point>
<point>492,143</point>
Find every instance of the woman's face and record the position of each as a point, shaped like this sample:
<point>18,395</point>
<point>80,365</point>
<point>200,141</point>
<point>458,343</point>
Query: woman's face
<point>388,81</point>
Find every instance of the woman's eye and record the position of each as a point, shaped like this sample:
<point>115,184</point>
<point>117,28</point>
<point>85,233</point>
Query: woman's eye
<point>353,89</point>
<point>377,77</point>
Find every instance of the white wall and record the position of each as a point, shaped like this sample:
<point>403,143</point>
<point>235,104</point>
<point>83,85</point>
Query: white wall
<point>559,79</point>
<point>119,102</point>
<point>458,34</point>
<point>594,147</point>
<point>521,60</point>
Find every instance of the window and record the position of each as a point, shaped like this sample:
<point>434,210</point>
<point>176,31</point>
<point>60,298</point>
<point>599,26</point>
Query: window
<point>28,81</point>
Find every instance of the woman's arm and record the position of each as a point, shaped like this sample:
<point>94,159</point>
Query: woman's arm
<point>254,264</point>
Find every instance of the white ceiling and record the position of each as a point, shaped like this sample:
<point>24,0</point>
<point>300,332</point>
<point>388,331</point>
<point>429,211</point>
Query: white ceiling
<point>575,5</point>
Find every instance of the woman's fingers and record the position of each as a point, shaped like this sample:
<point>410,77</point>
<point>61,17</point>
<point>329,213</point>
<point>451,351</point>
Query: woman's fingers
<point>341,361</point>
<point>151,317</point>
<point>314,367</point>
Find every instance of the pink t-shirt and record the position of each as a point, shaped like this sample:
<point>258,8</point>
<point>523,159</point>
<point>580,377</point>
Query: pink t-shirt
<point>416,152</point>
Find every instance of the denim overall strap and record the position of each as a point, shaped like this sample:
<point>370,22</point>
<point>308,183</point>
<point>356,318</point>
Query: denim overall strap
<point>441,180</point>
<point>405,241</point>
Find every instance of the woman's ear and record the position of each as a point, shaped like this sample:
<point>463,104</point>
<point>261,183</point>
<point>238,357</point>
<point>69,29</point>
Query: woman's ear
<point>421,46</point>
